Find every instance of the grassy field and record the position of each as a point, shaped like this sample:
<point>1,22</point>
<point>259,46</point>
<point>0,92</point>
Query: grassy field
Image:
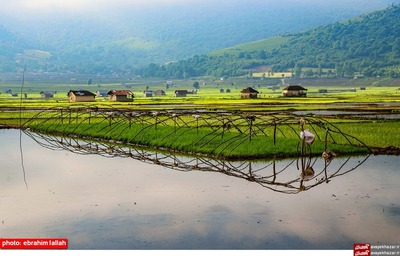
<point>208,137</point>
<point>208,94</point>
<point>374,133</point>
<point>201,141</point>
<point>267,44</point>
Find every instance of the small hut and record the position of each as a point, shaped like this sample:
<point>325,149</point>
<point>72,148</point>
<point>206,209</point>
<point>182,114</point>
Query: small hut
<point>180,93</point>
<point>81,96</point>
<point>120,95</point>
<point>159,93</point>
<point>148,94</point>
<point>249,93</point>
<point>294,91</point>
<point>47,95</point>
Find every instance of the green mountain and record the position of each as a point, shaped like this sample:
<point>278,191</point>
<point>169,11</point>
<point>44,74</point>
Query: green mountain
<point>119,37</point>
<point>368,44</point>
<point>10,46</point>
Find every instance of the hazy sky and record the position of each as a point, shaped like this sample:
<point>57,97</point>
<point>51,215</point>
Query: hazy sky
<point>14,13</point>
<point>76,5</point>
<point>45,5</point>
<point>22,6</point>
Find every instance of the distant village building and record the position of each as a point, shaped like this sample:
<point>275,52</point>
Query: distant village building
<point>148,93</point>
<point>102,93</point>
<point>294,91</point>
<point>249,93</point>
<point>121,95</point>
<point>47,95</point>
<point>180,93</point>
<point>81,96</point>
<point>159,93</point>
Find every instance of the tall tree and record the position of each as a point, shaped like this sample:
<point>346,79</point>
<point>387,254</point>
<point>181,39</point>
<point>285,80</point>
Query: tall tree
<point>196,85</point>
<point>297,70</point>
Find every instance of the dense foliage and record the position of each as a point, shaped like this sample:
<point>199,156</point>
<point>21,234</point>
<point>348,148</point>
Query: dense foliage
<point>368,44</point>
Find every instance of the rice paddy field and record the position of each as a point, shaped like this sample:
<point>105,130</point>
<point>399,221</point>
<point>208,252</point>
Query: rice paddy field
<point>211,91</point>
<point>371,113</point>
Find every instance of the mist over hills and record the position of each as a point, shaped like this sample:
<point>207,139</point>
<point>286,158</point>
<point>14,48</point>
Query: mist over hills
<point>120,38</point>
<point>366,45</point>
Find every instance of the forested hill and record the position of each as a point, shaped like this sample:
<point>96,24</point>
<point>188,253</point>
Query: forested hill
<point>368,44</point>
<point>118,37</point>
<point>9,47</point>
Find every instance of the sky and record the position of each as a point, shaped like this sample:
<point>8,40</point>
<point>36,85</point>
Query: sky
<point>26,10</point>
<point>77,5</point>
<point>24,6</point>
<point>37,17</point>
<point>42,6</point>
<point>45,5</point>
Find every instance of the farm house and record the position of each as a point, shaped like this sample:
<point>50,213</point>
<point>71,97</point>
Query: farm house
<point>47,95</point>
<point>159,93</point>
<point>81,96</point>
<point>148,94</point>
<point>181,93</point>
<point>294,91</point>
<point>120,95</point>
<point>102,93</point>
<point>249,93</point>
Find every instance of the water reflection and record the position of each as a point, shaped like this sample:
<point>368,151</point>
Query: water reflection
<point>273,174</point>
<point>122,203</point>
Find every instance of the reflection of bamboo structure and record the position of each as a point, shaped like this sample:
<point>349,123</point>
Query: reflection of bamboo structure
<point>216,124</point>
<point>267,174</point>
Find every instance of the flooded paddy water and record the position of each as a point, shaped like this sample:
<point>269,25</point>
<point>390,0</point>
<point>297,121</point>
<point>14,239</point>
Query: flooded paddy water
<point>123,199</point>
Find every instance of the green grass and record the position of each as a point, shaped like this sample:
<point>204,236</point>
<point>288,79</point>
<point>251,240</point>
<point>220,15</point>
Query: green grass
<point>374,133</point>
<point>208,94</point>
<point>201,141</point>
<point>207,135</point>
<point>36,54</point>
<point>198,137</point>
<point>266,44</point>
